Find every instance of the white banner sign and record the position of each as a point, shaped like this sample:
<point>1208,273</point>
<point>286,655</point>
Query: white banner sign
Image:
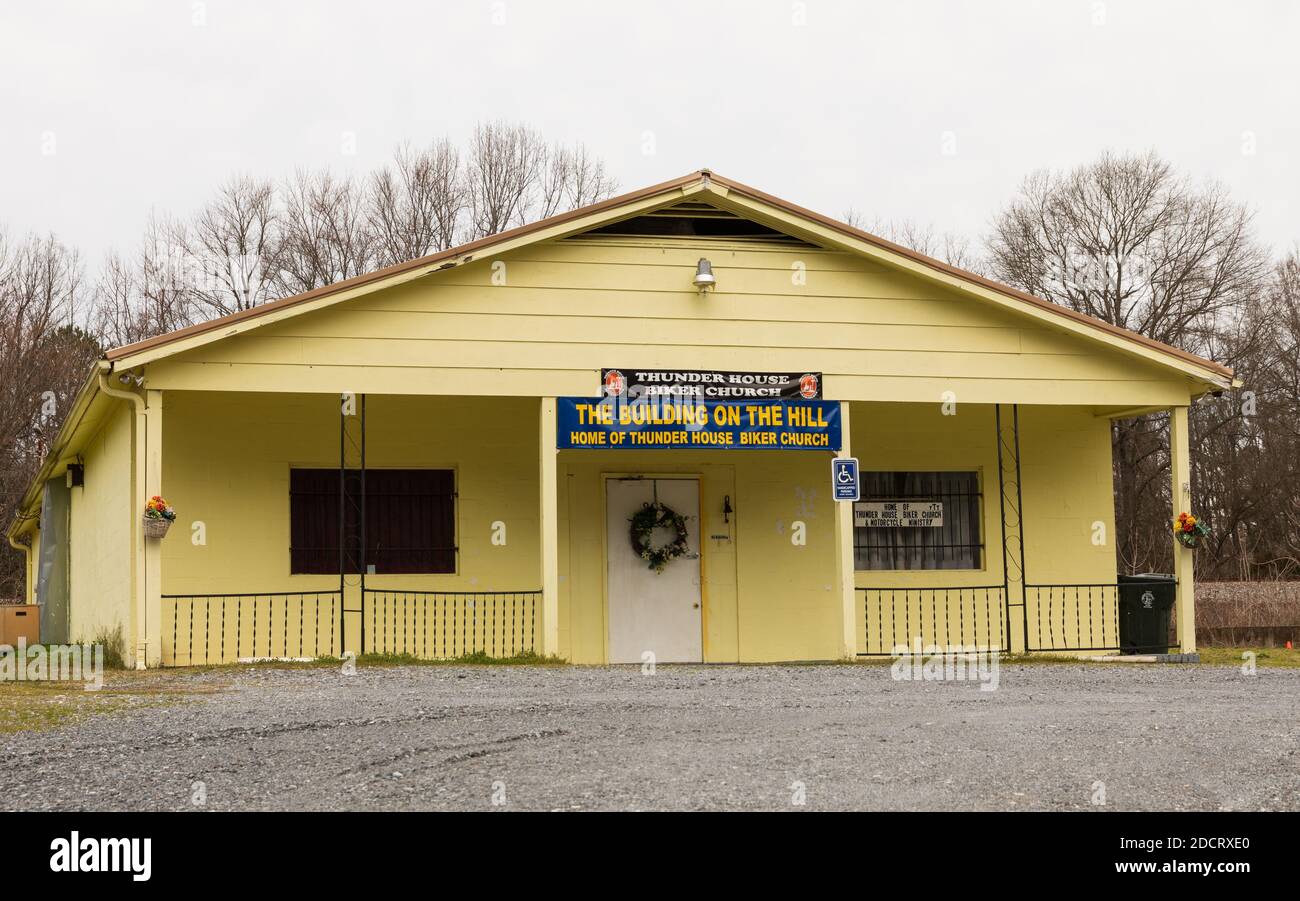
<point>898,514</point>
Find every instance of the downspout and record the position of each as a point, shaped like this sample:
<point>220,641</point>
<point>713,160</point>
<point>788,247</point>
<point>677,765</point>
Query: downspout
<point>29,588</point>
<point>140,432</point>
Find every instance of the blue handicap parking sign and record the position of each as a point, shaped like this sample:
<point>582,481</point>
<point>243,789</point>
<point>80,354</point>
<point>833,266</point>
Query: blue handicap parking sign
<point>844,479</point>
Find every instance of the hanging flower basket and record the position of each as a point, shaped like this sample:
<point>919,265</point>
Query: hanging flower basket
<point>158,517</point>
<point>658,516</point>
<point>1190,531</point>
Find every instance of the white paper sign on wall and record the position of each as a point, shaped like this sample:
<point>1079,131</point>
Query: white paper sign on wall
<point>898,514</point>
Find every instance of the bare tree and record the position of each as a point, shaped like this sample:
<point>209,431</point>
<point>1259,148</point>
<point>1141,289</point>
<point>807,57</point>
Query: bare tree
<point>571,178</point>
<point>325,234</point>
<point>514,176</point>
<point>1127,240</point>
<point>150,294</point>
<point>1248,441</point>
<point>231,245</point>
<point>43,361</point>
<point>416,206</point>
<point>505,170</point>
<point>948,247</point>
<point>588,181</point>
<point>40,283</point>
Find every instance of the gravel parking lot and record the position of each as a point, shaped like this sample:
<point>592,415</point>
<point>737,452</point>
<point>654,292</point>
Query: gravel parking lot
<point>717,737</point>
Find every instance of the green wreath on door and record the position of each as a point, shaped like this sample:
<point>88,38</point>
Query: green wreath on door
<point>651,516</point>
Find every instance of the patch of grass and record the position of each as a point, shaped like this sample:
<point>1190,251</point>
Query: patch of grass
<point>1049,659</point>
<point>1278,658</point>
<point>114,647</point>
<point>477,658</point>
<point>35,706</point>
<point>1063,659</point>
<point>1274,658</point>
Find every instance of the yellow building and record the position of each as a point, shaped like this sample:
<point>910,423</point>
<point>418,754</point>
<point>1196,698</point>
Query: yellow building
<point>456,416</point>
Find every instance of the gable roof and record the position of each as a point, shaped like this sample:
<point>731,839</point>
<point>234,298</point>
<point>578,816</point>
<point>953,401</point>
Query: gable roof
<point>723,192</point>
<point>702,186</point>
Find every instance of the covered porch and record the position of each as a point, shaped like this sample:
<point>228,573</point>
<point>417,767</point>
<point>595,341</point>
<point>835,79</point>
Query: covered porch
<point>514,552</point>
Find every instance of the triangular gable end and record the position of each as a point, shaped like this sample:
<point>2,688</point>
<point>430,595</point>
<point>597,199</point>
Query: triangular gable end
<point>714,202</point>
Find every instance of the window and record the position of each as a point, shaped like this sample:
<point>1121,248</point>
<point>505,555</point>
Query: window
<point>918,520</point>
<point>410,521</point>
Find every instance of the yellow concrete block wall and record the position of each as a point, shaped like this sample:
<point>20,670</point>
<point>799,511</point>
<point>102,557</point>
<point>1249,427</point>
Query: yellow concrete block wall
<point>1069,495</point>
<point>226,465</point>
<point>1068,517</point>
<point>764,597</point>
<point>583,550</point>
<point>100,536</point>
<point>790,601</point>
<point>932,438</point>
<point>1069,510</point>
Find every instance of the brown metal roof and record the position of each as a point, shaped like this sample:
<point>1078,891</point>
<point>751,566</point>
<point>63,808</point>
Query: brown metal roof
<point>380,275</point>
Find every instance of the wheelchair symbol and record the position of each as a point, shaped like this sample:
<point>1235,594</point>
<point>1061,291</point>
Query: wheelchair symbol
<point>844,479</point>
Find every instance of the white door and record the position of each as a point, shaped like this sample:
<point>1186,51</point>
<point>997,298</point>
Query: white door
<point>650,611</point>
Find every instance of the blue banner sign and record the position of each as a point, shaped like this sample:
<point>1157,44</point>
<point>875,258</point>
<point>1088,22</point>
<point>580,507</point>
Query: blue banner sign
<point>664,423</point>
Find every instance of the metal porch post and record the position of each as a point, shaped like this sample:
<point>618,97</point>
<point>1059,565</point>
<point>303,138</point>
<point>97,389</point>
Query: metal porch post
<point>1013,536</point>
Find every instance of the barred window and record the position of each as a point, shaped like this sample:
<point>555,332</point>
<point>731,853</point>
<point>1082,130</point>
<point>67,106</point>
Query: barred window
<point>918,520</point>
<point>410,521</point>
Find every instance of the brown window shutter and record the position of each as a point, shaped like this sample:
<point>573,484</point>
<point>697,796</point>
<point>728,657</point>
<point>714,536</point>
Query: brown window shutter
<point>410,520</point>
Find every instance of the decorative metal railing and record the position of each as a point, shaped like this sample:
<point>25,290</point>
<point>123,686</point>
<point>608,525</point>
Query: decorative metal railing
<point>202,629</point>
<point>1072,617</point>
<point>443,625</point>
<point>947,618</point>
<point>1081,617</point>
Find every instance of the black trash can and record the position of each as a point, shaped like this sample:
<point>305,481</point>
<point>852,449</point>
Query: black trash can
<point>1145,602</point>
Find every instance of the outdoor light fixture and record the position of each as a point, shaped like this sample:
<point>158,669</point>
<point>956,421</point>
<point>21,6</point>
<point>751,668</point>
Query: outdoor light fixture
<point>727,509</point>
<point>704,279</point>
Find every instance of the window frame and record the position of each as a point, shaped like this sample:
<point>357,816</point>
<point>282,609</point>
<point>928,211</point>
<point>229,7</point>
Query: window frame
<point>454,520</point>
<point>980,519</point>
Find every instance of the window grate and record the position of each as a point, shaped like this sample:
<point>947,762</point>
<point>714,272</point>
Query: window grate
<point>409,521</point>
<point>955,543</point>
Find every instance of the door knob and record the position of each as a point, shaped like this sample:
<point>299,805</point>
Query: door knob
<point>696,606</point>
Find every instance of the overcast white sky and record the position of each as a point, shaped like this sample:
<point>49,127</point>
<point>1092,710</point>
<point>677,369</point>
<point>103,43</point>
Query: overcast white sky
<point>109,109</point>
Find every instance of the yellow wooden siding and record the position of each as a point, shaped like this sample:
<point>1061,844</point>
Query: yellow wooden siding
<point>567,308</point>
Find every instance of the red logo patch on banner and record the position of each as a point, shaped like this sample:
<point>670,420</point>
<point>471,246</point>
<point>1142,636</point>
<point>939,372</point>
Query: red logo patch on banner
<point>615,384</point>
<point>808,386</point>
